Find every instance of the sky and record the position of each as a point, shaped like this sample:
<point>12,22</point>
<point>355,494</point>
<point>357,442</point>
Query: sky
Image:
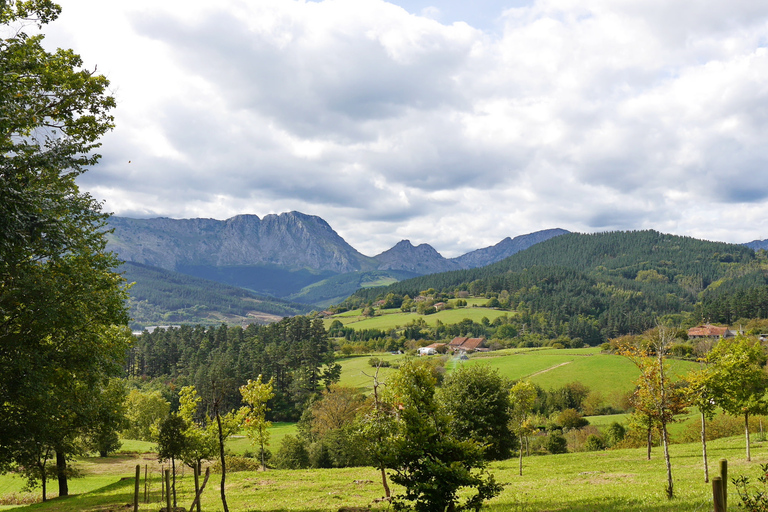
<point>450,123</point>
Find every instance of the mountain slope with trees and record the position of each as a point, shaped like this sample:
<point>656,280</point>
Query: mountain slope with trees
<point>601,285</point>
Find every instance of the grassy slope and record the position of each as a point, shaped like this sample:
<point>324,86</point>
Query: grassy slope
<point>391,318</point>
<point>551,368</point>
<point>612,481</point>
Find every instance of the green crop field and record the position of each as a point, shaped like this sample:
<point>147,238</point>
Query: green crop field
<point>610,481</point>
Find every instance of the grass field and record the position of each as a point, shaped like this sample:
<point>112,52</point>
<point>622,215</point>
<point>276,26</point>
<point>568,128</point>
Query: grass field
<point>392,318</point>
<point>607,374</point>
<point>612,481</point>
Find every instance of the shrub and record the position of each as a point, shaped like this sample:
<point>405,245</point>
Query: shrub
<point>292,454</point>
<point>570,419</point>
<point>577,438</point>
<point>594,443</point>
<point>615,433</point>
<point>556,443</point>
<point>752,499</point>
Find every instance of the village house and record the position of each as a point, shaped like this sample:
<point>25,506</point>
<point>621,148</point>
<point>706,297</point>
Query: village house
<point>466,344</point>
<point>711,331</point>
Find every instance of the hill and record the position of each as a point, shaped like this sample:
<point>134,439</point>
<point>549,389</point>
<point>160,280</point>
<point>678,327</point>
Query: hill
<point>601,285</point>
<point>160,296</point>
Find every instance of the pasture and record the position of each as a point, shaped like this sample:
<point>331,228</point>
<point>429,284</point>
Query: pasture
<point>393,318</point>
<point>612,481</point>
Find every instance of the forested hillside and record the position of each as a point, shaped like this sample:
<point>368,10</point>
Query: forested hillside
<point>597,286</point>
<point>160,297</point>
<point>295,352</point>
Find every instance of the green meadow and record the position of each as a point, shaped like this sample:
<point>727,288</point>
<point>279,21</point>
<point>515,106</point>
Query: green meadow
<point>393,318</point>
<point>612,481</point>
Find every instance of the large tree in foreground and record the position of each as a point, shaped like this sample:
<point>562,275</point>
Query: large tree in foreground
<point>739,380</point>
<point>59,294</point>
<point>436,469</point>
<point>655,398</point>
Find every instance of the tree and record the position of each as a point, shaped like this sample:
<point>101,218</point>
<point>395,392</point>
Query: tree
<point>476,399</point>
<point>201,437</point>
<point>429,462</point>
<point>145,411</point>
<point>655,398</point>
<point>59,293</point>
<point>256,394</point>
<point>110,412</point>
<point>377,427</point>
<point>739,381</point>
<point>522,398</point>
<point>700,392</point>
<point>171,443</point>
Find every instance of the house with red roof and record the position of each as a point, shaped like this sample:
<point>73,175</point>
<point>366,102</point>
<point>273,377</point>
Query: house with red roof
<point>464,344</point>
<point>711,331</point>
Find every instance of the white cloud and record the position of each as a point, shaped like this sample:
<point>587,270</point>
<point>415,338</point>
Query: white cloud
<point>604,114</point>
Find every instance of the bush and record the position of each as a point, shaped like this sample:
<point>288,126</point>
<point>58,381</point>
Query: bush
<point>292,454</point>
<point>594,443</point>
<point>577,438</point>
<point>556,443</point>
<point>570,419</point>
<point>722,426</point>
<point>615,433</point>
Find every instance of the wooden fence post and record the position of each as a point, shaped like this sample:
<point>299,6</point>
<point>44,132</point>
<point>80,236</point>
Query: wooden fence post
<point>136,489</point>
<point>146,496</point>
<point>724,476</point>
<point>717,494</point>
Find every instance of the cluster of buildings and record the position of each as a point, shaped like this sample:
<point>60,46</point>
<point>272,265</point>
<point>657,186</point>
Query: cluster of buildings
<point>458,344</point>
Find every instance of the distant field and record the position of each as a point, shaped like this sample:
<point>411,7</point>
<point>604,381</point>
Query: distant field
<point>552,368</point>
<point>354,370</point>
<point>392,318</point>
<point>240,444</point>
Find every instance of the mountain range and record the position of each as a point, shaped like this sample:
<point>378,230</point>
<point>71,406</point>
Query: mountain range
<point>291,256</point>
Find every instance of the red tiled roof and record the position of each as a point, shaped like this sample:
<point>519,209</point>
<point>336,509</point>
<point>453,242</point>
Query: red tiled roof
<point>466,343</point>
<point>707,330</point>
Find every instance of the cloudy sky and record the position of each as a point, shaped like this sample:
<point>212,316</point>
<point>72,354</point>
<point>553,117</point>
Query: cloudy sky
<point>451,123</point>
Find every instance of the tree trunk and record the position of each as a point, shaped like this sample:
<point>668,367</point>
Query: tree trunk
<point>665,441</point>
<point>61,473</point>
<point>704,446</point>
<point>263,458</point>
<point>650,438</point>
<point>746,431</point>
<point>223,461</point>
<point>384,483</point>
<point>173,468</point>
<point>520,463</point>
<point>43,479</point>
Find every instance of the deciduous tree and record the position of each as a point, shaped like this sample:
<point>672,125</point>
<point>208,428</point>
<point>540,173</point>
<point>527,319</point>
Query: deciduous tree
<point>256,394</point>
<point>655,398</point>
<point>739,379</point>
<point>59,293</point>
<point>429,462</point>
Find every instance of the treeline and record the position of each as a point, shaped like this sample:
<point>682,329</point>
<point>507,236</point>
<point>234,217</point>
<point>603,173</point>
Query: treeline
<point>295,352</point>
<point>598,286</point>
<point>160,296</point>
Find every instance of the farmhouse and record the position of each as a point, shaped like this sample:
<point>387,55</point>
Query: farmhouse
<point>466,344</point>
<point>711,331</point>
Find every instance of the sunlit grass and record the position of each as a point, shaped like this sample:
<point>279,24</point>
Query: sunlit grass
<point>613,481</point>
